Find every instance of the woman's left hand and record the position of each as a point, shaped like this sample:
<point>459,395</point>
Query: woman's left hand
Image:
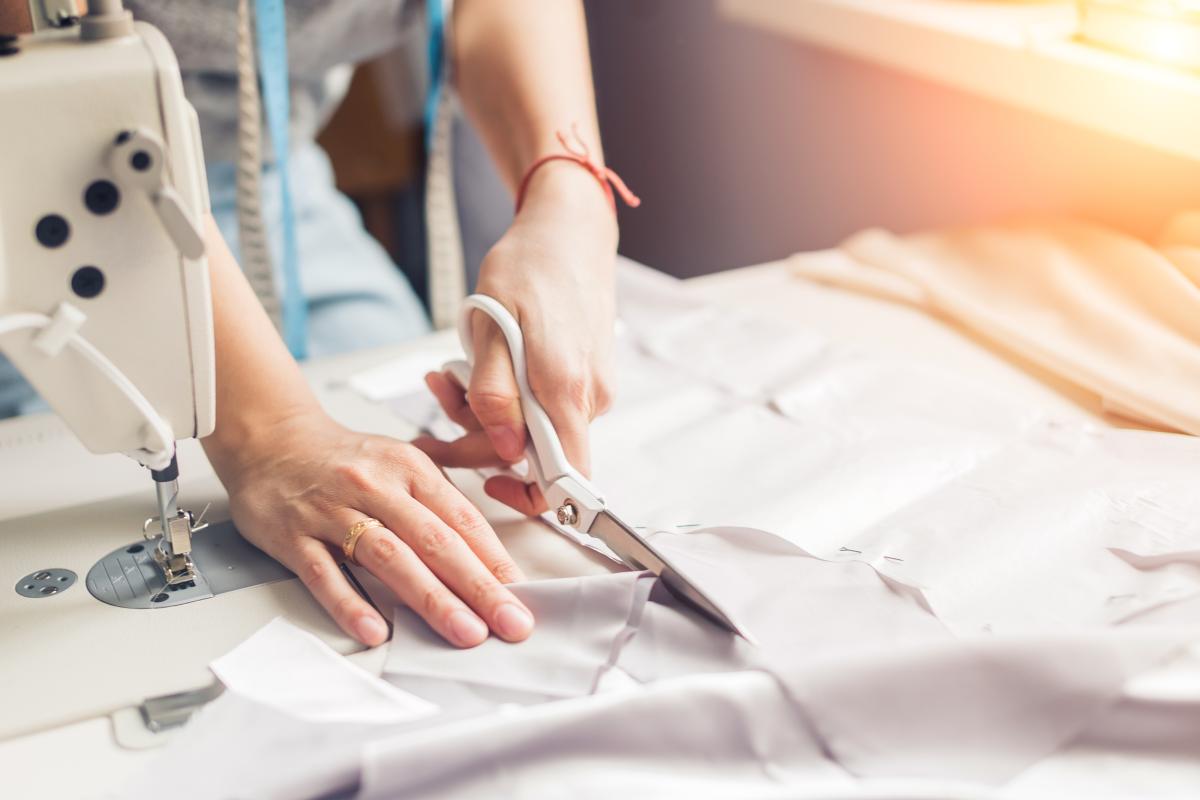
<point>554,271</point>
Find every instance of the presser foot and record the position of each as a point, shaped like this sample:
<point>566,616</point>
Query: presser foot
<point>178,569</point>
<point>173,553</point>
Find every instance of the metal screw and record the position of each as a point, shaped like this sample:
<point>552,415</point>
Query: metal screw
<point>567,515</point>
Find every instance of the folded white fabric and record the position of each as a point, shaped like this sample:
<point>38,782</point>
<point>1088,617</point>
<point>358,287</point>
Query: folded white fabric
<point>854,679</point>
<point>292,723</point>
<point>1100,308</point>
<point>732,735</point>
<point>888,690</point>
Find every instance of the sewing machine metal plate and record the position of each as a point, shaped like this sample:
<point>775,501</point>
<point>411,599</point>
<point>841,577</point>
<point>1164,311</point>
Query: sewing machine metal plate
<point>129,578</point>
<point>70,657</point>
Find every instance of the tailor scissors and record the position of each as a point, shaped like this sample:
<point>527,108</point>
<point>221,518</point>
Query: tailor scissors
<point>577,503</point>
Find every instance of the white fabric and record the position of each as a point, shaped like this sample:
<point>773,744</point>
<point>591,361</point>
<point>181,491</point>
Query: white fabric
<point>291,723</point>
<point>854,679</point>
<point>964,593</point>
<point>732,735</point>
<point>579,623</point>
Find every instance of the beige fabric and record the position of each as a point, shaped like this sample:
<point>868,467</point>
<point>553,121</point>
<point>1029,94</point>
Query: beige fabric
<point>1106,311</point>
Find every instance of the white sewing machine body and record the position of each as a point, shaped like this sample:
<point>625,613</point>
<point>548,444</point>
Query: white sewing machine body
<point>106,308</point>
<point>90,234</point>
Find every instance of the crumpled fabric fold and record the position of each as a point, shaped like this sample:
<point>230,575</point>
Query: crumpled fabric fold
<point>713,734</point>
<point>854,679</point>
<point>885,688</point>
<point>292,722</point>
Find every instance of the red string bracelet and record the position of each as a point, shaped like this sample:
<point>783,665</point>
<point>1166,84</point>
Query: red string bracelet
<point>580,155</point>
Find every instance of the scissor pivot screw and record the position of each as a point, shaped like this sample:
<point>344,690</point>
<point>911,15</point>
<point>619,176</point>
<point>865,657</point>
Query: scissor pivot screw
<point>567,515</point>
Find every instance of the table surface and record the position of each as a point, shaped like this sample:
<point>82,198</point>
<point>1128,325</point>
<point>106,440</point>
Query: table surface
<point>39,444</point>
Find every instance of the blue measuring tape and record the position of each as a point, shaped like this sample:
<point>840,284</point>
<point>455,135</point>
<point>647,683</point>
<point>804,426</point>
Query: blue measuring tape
<point>437,29</point>
<point>270,24</point>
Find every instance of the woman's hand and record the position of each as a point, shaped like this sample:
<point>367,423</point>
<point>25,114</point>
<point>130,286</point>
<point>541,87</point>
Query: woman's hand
<point>298,482</point>
<point>553,269</point>
<point>298,486</point>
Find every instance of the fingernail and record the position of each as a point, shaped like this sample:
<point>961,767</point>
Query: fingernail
<point>513,622</point>
<point>371,630</point>
<point>506,441</point>
<point>467,628</point>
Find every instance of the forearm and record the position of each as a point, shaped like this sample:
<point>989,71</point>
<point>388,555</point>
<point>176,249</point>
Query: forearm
<point>258,381</point>
<point>523,72</point>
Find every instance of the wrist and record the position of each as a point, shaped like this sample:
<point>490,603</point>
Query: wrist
<point>569,194</point>
<point>243,439</point>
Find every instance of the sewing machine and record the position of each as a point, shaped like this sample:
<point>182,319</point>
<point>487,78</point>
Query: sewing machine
<point>106,309</point>
<point>105,305</point>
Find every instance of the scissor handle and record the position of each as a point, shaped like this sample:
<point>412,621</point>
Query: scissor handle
<point>547,459</point>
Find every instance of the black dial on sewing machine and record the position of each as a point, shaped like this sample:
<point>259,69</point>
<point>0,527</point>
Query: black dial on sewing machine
<point>87,282</point>
<point>102,197</point>
<point>52,230</point>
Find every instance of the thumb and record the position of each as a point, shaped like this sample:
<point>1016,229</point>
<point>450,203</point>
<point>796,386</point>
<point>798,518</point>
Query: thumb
<point>493,395</point>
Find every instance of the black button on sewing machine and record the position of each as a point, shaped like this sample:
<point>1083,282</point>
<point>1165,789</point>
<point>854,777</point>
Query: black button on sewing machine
<point>52,230</point>
<point>87,282</point>
<point>140,160</point>
<point>102,197</point>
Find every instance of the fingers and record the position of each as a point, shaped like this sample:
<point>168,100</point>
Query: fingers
<point>313,563</point>
<point>453,400</point>
<point>392,561</point>
<point>427,553</point>
<point>572,391</point>
<point>472,451</point>
<point>571,421</point>
<point>493,394</point>
<point>524,497</point>
<point>444,499</point>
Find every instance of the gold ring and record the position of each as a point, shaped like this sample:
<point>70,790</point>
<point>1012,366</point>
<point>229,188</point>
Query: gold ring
<point>352,536</point>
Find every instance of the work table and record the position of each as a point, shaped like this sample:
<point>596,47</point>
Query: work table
<point>112,496</point>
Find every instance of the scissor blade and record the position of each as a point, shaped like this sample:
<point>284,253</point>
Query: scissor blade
<point>638,553</point>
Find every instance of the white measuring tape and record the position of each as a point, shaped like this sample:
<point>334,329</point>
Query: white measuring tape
<point>447,275</point>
